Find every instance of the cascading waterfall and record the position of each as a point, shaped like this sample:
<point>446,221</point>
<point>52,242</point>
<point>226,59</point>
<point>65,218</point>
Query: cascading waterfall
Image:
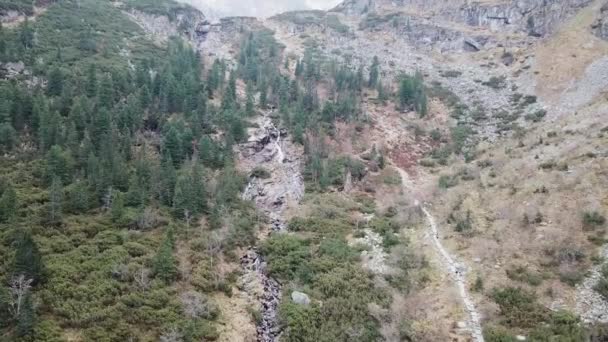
<point>270,196</point>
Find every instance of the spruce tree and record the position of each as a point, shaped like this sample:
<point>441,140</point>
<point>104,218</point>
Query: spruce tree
<point>58,164</point>
<point>26,320</point>
<point>263,95</point>
<point>8,203</point>
<point>250,102</point>
<point>91,83</point>
<point>79,197</point>
<point>374,72</point>
<point>117,210</point>
<point>28,260</point>
<point>164,264</point>
<point>55,82</point>
<point>55,204</point>
<point>105,94</point>
<point>168,178</point>
<point>172,145</point>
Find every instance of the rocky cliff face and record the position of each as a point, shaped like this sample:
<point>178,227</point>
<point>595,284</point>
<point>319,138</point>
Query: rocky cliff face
<point>187,22</point>
<point>600,26</point>
<point>534,17</point>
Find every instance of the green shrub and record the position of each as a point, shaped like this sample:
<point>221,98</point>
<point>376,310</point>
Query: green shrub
<point>572,277</point>
<point>496,82</point>
<point>260,172</point>
<point>519,307</point>
<point>288,256</point>
<point>593,219</point>
<point>446,181</point>
<point>522,274</point>
<point>536,116</point>
<point>561,326</point>
<point>497,334</point>
<point>602,287</point>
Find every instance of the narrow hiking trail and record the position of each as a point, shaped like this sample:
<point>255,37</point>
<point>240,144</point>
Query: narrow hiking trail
<point>272,196</point>
<point>456,271</point>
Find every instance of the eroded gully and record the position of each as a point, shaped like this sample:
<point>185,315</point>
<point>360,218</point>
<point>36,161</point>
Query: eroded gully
<point>456,271</point>
<point>272,196</point>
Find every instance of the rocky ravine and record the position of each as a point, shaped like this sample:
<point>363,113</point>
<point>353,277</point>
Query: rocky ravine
<point>267,148</point>
<point>590,305</point>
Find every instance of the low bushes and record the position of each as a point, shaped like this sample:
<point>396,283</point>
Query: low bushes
<point>520,311</point>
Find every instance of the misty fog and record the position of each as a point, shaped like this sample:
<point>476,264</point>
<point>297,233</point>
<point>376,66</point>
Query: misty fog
<point>258,8</point>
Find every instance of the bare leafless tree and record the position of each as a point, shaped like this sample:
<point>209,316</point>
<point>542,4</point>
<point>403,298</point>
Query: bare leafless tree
<point>142,278</point>
<point>172,335</point>
<point>18,288</point>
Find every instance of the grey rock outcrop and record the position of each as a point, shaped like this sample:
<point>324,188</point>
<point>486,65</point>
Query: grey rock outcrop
<point>534,17</point>
<point>187,22</point>
<point>600,26</point>
<point>300,298</point>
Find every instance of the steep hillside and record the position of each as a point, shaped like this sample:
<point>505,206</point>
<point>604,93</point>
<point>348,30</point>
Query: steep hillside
<point>383,171</point>
<point>509,156</point>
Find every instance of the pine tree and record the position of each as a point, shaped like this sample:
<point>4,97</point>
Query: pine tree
<point>382,96</point>
<point>55,205</point>
<point>26,35</point>
<point>8,137</point>
<point>26,320</point>
<point>91,84</point>
<point>182,197</point>
<point>198,189</point>
<point>164,264</point>
<point>28,260</point>
<point>117,211</point>
<point>58,164</point>
<point>79,197</point>
<point>172,145</point>
<point>168,178</point>
<point>8,203</point>
<point>2,45</point>
<point>299,68</point>
<point>55,82</point>
<point>374,72</point>
<point>189,197</point>
<point>105,94</point>
<point>263,95</point>
<point>249,105</point>
<point>49,132</point>
<point>210,153</point>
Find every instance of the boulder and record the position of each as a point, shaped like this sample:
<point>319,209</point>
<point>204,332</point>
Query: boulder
<point>471,44</point>
<point>300,298</point>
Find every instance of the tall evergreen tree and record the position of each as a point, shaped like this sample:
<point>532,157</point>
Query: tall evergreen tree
<point>58,164</point>
<point>168,177</point>
<point>117,210</point>
<point>374,72</point>
<point>91,84</point>
<point>172,145</point>
<point>250,101</point>
<point>55,204</point>
<point>164,263</point>
<point>55,82</point>
<point>8,203</point>
<point>106,93</point>
<point>26,320</point>
<point>28,260</point>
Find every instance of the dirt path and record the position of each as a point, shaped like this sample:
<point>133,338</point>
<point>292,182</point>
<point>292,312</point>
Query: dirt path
<point>455,270</point>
